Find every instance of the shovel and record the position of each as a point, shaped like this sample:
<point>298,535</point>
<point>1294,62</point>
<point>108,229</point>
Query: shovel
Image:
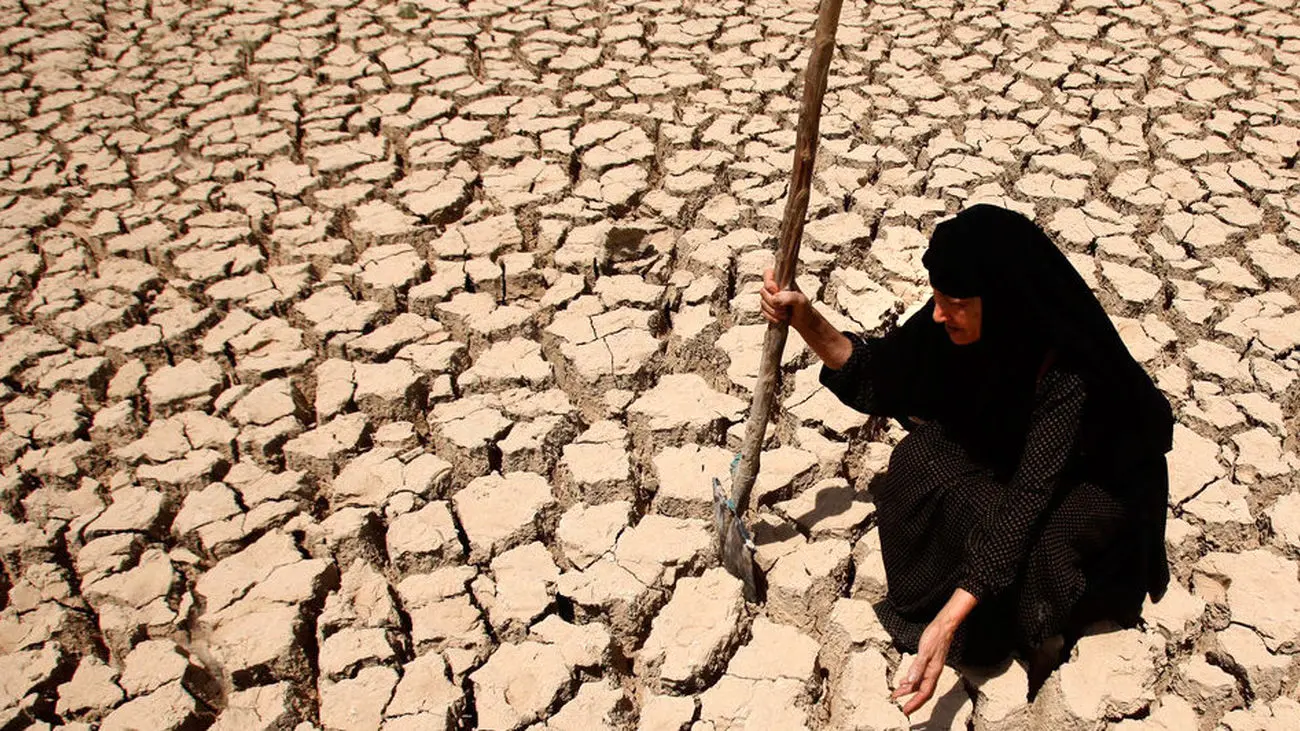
<point>734,543</point>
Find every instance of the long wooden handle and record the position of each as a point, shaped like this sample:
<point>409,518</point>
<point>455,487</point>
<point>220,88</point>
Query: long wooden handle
<point>787,253</point>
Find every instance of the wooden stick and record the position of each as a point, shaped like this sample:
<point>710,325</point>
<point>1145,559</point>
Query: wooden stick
<point>787,253</point>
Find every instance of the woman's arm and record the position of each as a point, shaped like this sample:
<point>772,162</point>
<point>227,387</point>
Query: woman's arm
<point>876,375</point>
<point>793,308</point>
<point>932,651</point>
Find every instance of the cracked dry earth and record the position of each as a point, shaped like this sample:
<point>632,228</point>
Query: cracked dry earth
<point>366,364</point>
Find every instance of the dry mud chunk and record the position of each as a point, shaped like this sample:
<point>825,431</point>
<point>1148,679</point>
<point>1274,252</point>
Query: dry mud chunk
<point>830,508</point>
<point>426,693</point>
<point>443,619</point>
<point>782,472</point>
<point>1260,455</point>
<point>518,683</point>
<point>264,708</point>
<point>357,704</point>
<point>521,590</point>
<point>268,403</point>
<point>1241,650</point>
<point>132,509</point>
<point>27,672</point>
<point>212,504</point>
<point>1171,713</point>
<point>1001,695</point>
<point>195,468</point>
<point>770,680</point>
<point>535,446</point>
<point>261,641</point>
<point>743,347</point>
<point>1211,689</point>
<point>683,478</point>
<point>343,652</point>
<point>349,534</point>
<point>1260,590</point>
<point>585,533</point>
<point>682,409</point>
<point>176,437</point>
<point>92,689</point>
<point>424,539</point>
<point>585,646</point>
<point>232,577</point>
<point>134,601</point>
<point>693,634</point>
<point>1108,676</point>
<point>815,405</point>
<point>659,549</point>
<point>804,584</point>
<point>384,342</point>
<point>322,450</point>
<point>869,580</point>
<point>861,701</point>
<point>60,463</point>
<point>464,429</point>
<point>169,708</point>
<point>606,591</point>
<point>498,512</point>
<point>389,270</point>
<point>515,362</point>
<point>335,383</point>
<point>1283,713</point>
<point>363,599</point>
<point>598,704</point>
<point>600,350</point>
<point>1178,614</point>
<point>332,310</point>
<point>381,474</point>
<point>1193,464</point>
<point>261,637</point>
<point>389,391</point>
<point>153,664</point>
<point>851,625</point>
<point>666,713</point>
<point>595,467</point>
<point>1223,513</point>
<point>188,384</point>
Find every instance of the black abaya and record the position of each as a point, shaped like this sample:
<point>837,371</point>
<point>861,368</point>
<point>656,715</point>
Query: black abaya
<point>1037,479</point>
<point>1043,549</point>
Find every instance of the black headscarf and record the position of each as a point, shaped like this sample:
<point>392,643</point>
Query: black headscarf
<point>1036,307</point>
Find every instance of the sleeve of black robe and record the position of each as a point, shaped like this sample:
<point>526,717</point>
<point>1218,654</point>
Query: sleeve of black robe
<point>997,547</point>
<point>884,376</point>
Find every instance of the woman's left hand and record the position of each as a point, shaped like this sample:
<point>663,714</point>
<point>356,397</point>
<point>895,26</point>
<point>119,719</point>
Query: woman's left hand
<point>931,654</point>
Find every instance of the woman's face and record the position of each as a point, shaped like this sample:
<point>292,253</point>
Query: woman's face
<point>960,317</point>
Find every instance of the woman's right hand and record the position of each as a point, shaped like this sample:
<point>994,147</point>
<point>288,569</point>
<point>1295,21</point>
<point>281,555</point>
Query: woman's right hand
<point>789,306</point>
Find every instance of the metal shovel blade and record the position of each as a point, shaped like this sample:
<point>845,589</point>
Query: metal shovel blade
<point>734,544</point>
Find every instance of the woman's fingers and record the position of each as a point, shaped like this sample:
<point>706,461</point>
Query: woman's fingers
<point>778,305</point>
<point>922,695</point>
<point>927,683</point>
<point>911,679</point>
<point>775,307</point>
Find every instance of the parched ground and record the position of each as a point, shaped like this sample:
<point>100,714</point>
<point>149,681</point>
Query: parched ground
<point>365,364</point>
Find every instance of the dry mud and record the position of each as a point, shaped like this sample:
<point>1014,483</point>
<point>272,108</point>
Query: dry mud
<point>365,364</point>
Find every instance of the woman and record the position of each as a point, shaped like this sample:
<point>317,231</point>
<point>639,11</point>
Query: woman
<point>1028,498</point>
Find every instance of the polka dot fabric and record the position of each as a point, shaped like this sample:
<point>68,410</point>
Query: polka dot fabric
<point>1043,551</point>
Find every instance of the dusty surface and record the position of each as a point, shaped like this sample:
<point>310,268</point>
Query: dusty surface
<point>364,364</point>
